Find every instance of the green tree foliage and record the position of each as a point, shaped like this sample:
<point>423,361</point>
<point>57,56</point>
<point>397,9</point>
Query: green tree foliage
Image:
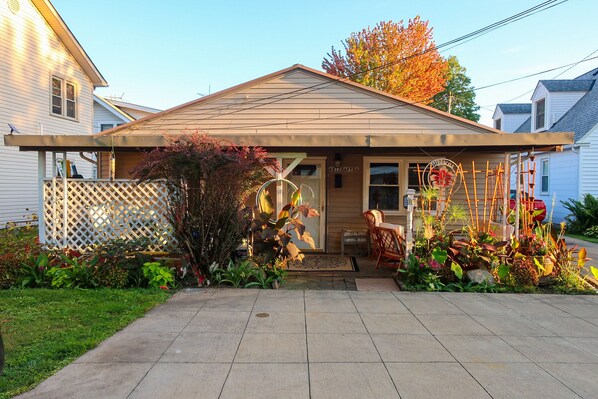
<point>458,97</point>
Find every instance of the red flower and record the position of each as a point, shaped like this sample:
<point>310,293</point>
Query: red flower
<point>164,287</point>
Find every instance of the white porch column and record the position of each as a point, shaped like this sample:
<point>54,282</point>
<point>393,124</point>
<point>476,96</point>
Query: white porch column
<point>409,228</point>
<point>517,195</point>
<point>41,175</point>
<point>506,185</point>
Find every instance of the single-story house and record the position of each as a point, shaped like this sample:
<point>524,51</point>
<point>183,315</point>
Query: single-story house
<point>354,147</point>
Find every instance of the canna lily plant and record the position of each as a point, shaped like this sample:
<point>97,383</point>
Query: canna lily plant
<point>272,237</point>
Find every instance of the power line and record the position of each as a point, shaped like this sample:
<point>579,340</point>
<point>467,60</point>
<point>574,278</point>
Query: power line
<point>288,95</point>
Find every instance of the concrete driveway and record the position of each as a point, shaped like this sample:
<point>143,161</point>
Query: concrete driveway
<point>339,344</point>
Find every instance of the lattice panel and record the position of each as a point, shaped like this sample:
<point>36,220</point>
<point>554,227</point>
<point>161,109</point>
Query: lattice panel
<point>99,210</point>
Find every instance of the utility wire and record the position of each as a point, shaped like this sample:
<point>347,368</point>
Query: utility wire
<point>284,96</point>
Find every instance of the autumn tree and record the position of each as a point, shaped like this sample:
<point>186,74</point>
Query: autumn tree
<point>401,60</point>
<point>458,96</point>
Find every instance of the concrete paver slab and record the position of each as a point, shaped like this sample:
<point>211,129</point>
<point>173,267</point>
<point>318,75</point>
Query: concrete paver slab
<point>267,381</point>
<point>326,294</point>
<point>130,348</point>
<point>568,326</point>
<point>483,349</point>
<point>273,304</point>
<point>550,349</point>
<point>351,381</point>
<point>329,305</point>
<point>276,323</point>
<point>349,323</point>
<point>452,325</point>
<point>188,299</point>
<point>91,380</point>
<point>518,380</point>
<point>434,380</point>
<point>430,305</point>
<point>379,323</point>
<point>380,306</point>
<point>589,345</point>
<point>202,348</point>
<point>512,324</point>
<point>410,348</point>
<point>182,381</point>
<point>372,295</point>
<point>161,321</point>
<point>214,321</point>
<point>272,348</point>
<point>581,378</point>
<point>341,348</point>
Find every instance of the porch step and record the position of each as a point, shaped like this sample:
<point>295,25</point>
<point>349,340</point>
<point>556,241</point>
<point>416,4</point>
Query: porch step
<point>376,284</point>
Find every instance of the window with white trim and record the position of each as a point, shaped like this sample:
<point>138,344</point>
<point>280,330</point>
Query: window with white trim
<point>540,107</point>
<point>64,98</point>
<point>383,186</point>
<point>387,179</point>
<point>544,176</point>
<point>498,124</point>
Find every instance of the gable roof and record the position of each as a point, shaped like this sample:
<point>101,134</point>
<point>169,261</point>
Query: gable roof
<point>525,127</point>
<point>123,104</point>
<point>301,90</point>
<point>567,85</point>
<point>580,118</point>
<point>55,21</point>
<point>515,108</point>
<point>112,108</point>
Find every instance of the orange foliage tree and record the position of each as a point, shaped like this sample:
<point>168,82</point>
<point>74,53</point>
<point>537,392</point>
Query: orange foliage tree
<point>401,60</point>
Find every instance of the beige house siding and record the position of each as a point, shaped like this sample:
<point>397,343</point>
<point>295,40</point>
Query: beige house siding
<point>301,102</point>
<point>32,53</point>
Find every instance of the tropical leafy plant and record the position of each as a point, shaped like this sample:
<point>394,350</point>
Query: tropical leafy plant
<point>272,238</point>
<point>584,213</point>
<point>157,276</point>
<point>75,273</point>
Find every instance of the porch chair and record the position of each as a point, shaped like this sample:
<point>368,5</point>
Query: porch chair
<point>373,218</point>
<point>391,247</point>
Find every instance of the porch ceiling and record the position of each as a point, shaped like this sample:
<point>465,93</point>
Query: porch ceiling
<point>103,143</point>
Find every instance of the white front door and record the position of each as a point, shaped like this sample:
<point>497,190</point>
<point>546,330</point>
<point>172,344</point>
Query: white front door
<point>310,177</point>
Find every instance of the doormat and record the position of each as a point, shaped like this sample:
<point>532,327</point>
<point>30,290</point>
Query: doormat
<point>376,284</point>
<point>324,263</point>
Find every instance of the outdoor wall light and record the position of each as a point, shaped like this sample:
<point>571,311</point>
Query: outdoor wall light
<point>338,160</point>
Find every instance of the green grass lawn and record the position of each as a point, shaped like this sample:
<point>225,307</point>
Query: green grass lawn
<point>582,237</point>
<point>44,330</point>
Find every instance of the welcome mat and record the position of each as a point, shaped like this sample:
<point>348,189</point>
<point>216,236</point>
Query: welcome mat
<point>324,263</point>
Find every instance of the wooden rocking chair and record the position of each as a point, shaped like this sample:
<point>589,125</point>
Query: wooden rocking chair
<point>373,218</point>
<point>391,246</point>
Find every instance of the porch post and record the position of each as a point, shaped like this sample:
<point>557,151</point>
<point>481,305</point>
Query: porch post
<point>506,184</point>
<point>41,175</point>
<point>279,192</point>
<point>517,195</point>
<point>409,227</point>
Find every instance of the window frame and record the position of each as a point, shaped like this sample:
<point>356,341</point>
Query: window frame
<point>543,115</point>
<point>64,100</point>
<point>545,161</point>
<point>403,163</point>
<point>498,124</point>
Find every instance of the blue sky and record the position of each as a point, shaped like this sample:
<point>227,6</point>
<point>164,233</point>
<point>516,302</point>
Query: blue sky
<point>162,53</point>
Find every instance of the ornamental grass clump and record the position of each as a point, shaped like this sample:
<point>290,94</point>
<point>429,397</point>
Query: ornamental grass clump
<point>208,182</point>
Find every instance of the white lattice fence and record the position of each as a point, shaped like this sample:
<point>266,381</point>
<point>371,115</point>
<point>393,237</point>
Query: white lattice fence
<point>95,211</point>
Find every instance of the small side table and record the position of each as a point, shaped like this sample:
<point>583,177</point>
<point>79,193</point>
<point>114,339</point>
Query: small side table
<point>358,239</point>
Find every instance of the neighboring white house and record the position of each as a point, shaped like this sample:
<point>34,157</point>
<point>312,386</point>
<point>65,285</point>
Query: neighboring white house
<point>565,105</point>
<point>46,86</point>
<point>508,117</point>
<point>109,112</point>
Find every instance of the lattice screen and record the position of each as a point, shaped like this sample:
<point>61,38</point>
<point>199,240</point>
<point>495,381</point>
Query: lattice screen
<point>101,210</point>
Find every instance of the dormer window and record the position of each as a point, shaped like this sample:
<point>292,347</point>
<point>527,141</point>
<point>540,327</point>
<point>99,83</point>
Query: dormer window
<point>497,124</point>
<point>540,113</point>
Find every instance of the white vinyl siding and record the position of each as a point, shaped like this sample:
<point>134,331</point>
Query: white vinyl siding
<point>560,103</point>
<point>36,54</point>
<point>508,122</point>
<point>589,163</point>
